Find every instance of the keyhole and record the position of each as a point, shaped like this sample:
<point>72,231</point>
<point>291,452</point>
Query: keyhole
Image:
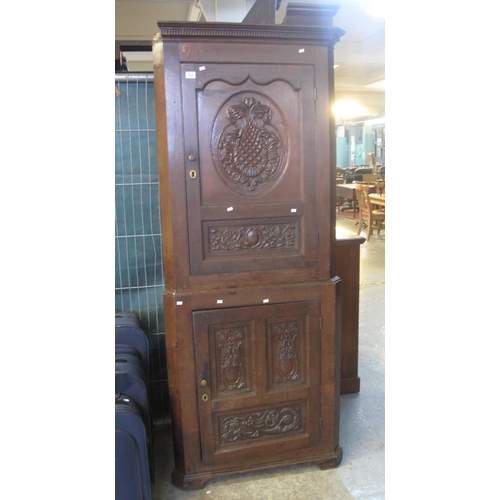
<point>204,398</point>
<point>192,174</point>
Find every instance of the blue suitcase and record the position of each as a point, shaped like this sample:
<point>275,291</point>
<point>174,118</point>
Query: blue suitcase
<point>131,381</point>
<point>127,349</point>
<point>128,331</point>
<point>133,466</point>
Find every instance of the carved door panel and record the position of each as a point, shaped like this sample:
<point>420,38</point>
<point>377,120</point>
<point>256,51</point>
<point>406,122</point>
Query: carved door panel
<point>251,177</point>
<point>258,380</point>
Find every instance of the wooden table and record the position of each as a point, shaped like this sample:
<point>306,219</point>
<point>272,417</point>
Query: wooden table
<point>348,192</point>
<point>377,199</point>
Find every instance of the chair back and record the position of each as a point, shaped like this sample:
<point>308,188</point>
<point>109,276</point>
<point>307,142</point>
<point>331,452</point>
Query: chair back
<point>381,172</point>
<point>362,192</point>
<point>380,187</point>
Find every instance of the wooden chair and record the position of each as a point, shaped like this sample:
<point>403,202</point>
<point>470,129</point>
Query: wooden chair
<point>375,219</point>
<point>380,187</point>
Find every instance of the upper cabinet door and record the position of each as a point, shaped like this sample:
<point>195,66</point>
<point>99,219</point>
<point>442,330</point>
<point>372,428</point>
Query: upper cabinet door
<point>252,145</point>
<point>249,137</point>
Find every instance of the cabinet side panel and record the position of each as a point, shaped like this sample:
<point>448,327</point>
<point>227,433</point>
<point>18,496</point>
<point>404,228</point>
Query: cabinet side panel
<point>330,364</point>
<point>162,147</point>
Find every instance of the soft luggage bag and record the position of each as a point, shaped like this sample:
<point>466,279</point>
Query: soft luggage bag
<point>127,349</point>
<point>133,467</point>
<point>127,317</point>
<point>121,358</point>
<point>131,381</point>
<point>128,331</point>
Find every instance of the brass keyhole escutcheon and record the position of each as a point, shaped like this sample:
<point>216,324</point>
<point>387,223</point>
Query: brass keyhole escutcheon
<point>204,383</point>
<point>192,174</point>
<point>204,398</point>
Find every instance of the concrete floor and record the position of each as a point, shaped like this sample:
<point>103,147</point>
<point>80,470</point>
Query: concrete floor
<point>361,474</point>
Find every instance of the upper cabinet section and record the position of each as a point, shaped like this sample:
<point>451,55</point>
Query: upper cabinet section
<point>245,153</point>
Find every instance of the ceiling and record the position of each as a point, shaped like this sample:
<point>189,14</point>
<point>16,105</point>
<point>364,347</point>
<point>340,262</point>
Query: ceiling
<point>359,55</point>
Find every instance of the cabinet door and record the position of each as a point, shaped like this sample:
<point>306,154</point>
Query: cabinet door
<point>258,381</point>
<point>250,149</point>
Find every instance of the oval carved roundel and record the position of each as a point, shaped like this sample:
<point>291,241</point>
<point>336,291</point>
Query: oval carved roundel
<point>249,143</point>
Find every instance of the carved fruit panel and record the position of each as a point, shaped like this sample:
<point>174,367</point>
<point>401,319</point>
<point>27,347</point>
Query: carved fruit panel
<point>260,424</point>
<point>232,350</point>
<point>250,145</point>
<point>287,356</point>
<point>243,237</point>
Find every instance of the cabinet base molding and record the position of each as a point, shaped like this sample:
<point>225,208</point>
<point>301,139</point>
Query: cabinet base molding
<point>197,481</point>
<point>350,385</point>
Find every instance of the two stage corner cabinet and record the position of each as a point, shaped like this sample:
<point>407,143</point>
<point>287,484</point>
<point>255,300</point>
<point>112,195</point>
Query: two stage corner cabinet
<point>246,155</point>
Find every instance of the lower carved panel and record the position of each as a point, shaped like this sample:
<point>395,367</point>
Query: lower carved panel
<point>260,424</point>
<point>230,369</point>
<point>286,348</point>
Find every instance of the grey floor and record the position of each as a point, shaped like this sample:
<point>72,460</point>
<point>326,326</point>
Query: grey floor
<point>361,474</point>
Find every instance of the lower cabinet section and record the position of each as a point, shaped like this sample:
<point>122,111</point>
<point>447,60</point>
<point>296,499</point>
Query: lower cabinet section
<point>254,379</point>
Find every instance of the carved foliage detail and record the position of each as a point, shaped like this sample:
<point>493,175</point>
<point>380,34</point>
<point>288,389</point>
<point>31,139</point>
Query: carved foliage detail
<point>263,236</point>
<point>287,362</point>
<point>258,424</point>
<point>249,147</point>
<point>232,373</point>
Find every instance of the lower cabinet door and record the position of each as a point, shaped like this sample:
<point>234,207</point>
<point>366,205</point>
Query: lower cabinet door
<point>258,382</point>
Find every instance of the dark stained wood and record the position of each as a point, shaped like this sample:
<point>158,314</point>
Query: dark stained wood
<point>278,229</point>
<point>261,410</point>
<point>252,311</point>
<point>347,262</point>
<point>309,15</point>
<point>278,393</point>
<point>134,45</point>
<point>229,209</point>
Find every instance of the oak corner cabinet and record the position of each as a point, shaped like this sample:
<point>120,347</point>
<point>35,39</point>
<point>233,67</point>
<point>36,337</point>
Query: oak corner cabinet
<point>246,155</point>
